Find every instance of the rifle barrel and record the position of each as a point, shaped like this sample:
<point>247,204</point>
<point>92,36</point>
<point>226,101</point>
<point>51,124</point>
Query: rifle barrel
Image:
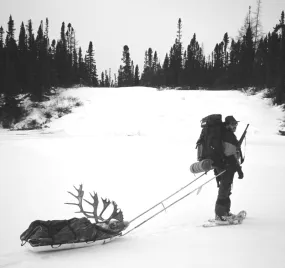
<point>243,135</point>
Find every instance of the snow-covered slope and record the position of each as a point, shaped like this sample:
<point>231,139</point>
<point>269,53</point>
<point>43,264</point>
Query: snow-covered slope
<point>135,146</point>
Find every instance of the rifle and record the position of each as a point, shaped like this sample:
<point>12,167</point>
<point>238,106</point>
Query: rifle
<point>240,142</point>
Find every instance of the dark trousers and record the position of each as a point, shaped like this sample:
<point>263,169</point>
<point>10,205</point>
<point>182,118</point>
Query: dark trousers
<point>223,203</point>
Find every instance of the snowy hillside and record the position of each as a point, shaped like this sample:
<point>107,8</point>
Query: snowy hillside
<point>135,146</point>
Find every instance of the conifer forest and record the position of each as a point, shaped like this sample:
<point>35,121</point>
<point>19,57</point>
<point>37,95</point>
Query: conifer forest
<point>33,63</point>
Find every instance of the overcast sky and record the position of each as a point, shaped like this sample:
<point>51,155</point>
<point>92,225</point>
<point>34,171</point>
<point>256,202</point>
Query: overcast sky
<point>111,24</point>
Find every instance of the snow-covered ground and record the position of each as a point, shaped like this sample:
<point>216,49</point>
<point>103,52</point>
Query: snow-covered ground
<point>135,146</point>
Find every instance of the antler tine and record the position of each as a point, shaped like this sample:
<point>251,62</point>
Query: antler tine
<point>116,214</point>
<point>72,194</point>
<point>79,197</point>
<point>94,205</point>
<point>80,188</point>
<point>78,191</point>
<point>106,203</point>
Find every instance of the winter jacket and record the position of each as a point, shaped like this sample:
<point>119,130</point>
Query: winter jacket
<point>230,145</point>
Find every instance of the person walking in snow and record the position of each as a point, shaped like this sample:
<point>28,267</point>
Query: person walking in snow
<point>232,165</point>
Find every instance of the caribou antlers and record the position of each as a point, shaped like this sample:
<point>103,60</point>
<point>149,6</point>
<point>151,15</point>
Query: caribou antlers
<point>116,214</point>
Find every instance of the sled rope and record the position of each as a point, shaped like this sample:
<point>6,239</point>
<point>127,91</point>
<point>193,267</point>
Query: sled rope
<point>161,202</point>
<point>170,205</point>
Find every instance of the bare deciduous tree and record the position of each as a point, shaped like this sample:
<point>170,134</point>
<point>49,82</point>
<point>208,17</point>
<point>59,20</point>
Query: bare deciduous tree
<point>257,33</point>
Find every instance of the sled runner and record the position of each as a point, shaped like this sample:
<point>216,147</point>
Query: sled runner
<point>67,245</point>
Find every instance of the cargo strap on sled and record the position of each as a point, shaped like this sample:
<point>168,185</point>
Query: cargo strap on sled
<point>164,208</point>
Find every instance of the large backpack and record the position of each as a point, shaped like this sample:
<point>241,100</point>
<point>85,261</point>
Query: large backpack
<point>209,144</point>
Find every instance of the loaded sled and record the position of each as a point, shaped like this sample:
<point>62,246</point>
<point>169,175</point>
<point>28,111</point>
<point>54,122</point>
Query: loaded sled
<point>76,232</point>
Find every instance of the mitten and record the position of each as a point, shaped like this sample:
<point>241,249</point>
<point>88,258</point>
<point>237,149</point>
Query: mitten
<point>240,173</point>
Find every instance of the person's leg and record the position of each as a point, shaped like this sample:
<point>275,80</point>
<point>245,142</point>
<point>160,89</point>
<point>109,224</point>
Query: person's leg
<point>223,203</point>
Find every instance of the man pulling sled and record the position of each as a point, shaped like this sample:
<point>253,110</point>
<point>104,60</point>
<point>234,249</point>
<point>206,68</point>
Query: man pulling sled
<point>219,149</point>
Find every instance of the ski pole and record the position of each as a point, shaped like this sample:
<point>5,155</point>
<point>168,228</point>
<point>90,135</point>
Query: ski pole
<point>198,188</point>
<point>167,198</point>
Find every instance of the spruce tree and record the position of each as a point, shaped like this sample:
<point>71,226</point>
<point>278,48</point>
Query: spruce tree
<point>52,48</point>
<point>102,82</point>
<point>62,37</point>
<point>62,59</point>
<point>175,59</point>
<point>23,58</point>
<point>22,44</point>
<point>69,37</point>
<point>226,43</point>
<point>31,67</point>
<point>40,37</point>
<point>42,70</point>
<point>149,59</point>
<point>81,68</point>
<point>10,37</point>
<point>91,66</point>
<point>107,80</point>
<point>165,68</point>
<point>179,31</point>
<point>30,35</point>
<point>218,55</point>
<point>11,85</point>
<point>165,65</point>
<point>236,55</point>
<point>148,71</point>
<point>46,33</point>
<point>155,62</point>
<point>137,76</point>
<point>178,55</point>
<point>190,61</point>
<point>126,72</point>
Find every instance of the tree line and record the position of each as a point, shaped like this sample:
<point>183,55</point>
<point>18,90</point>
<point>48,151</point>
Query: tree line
<point>252,60</point>
<point>35,64</point>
